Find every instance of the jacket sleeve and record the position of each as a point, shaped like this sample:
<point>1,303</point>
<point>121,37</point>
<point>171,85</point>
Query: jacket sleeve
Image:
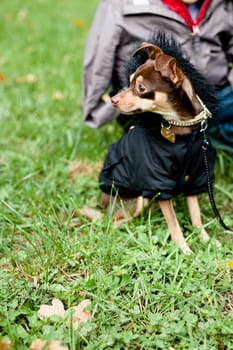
<point>230,43</point>
<point>98,64</point>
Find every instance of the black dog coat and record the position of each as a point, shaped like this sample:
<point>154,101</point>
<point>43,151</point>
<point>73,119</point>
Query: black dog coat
<point>144,163</point>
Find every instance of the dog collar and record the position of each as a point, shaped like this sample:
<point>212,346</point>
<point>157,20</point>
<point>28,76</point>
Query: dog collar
<point>201,117</point>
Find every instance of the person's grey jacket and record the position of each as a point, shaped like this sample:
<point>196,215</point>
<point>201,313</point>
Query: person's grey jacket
<point>118,24</point>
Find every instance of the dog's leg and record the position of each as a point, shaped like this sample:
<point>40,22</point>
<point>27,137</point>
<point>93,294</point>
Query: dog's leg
<point>195,216</point>
<point>173,225</point>
<point>129,208</point>
<point>105,200</point>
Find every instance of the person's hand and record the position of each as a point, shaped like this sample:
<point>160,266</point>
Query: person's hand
<point>106,98</point>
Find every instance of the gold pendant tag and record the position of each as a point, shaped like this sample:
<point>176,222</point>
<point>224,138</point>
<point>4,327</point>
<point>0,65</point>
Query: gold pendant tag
<point>168,134</point>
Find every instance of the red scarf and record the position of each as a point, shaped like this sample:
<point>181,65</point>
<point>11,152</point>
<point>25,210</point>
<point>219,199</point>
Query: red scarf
<point>179,7</point>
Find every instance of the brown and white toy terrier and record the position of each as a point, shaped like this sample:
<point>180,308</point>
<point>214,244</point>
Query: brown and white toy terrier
<point>161,87</point>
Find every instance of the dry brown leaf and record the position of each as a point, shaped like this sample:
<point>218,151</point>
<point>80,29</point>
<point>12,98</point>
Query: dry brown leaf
<point>56,345</point>
<point>5,345</point>
<point>81,168</point>
<point>81,315</point>
<point>39,344</point>
<point>56,309</point>
<point>20,79</point>
<point>29,78</point>
<point>2,77</point>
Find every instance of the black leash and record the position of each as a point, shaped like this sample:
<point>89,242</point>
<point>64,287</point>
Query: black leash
<point>205,147</point>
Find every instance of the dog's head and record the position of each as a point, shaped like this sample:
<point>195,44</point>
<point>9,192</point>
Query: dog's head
<point>159,86</point>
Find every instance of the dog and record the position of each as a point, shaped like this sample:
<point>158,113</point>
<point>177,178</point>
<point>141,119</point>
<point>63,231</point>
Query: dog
<point>161,154</point>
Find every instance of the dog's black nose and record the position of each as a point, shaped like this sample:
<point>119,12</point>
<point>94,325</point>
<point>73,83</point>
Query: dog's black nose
<point>115,100</point>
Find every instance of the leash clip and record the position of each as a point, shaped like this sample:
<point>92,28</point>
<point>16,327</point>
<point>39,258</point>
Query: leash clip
<point>205,145</point>
<point>204,125</point>
<point>166,124</point>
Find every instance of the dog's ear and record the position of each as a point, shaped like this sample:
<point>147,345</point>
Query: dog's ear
<point>152,50</point>
<point>190,93</point>
<point>168,68</point>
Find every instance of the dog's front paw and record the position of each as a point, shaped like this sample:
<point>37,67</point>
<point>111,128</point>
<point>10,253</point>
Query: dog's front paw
<point>217,243</point>
<point>204,235</point>
<point>206,238</point>
<point>185,248</point>
<point>91,214</point>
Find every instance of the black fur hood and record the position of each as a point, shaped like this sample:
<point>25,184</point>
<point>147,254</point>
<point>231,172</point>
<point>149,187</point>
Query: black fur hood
<point>170,47</point>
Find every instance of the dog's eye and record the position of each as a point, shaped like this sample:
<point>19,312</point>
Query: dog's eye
<point>141,87</point>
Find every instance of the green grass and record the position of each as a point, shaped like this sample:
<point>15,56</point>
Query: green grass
<point>145,294</point>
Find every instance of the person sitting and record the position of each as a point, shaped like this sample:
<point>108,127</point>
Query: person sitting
<point>204,30</point>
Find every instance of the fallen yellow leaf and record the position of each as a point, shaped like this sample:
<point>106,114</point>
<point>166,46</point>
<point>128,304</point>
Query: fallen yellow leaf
<point>3,60</point>
<point>57,95</point>
<point>2,77</point>
<point>79,23</point>
<point>31,78</point>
